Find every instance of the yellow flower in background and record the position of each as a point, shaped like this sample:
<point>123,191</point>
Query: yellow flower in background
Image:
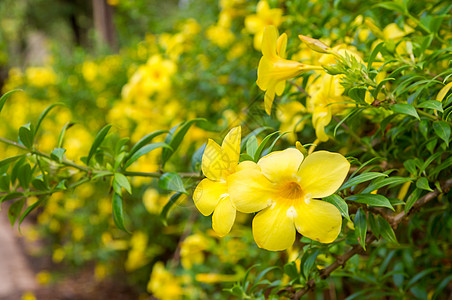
<point>211,194</point>
<point>290,115</point>
<point>273,69</point>
<point>282,187</point>
<point>191,250</point>
<point>163,285</point>
<point>40,76</point>
<point>265,16</point>
<point>220,36</point>
<point>394,32</point>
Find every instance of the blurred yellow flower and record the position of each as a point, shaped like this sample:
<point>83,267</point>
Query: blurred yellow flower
<point>192,250</point>
<point>265,16</point>
<point>273,69</point>
<point>220,35</point>
<point>40,76</point>
<point>211,194</point>
<point>282,186</point>
<point>215,278</point>
<point>163,285</point>
<point>136,257</point>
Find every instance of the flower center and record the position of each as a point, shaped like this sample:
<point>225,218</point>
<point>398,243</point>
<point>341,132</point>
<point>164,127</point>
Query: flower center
<point>292,190</point>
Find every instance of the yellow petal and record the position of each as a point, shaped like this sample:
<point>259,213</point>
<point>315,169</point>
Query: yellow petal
<point>280,166</point>
<point>223,217</point>
<point>281,44</point>
<point>322,173</point>
<point>246,165</point>
<point>253,24</point>
<point>442,93</point>
<point>279,89</point>
<point>318,220</point>
<point>269,41</point>
<point>273,228</point>
<point>212,165</point>
<point>207,195</point>
<point>268,99</point>
<point>231,149</point>
<point>249,190</point>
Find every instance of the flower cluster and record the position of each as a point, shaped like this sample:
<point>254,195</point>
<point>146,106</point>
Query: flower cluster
<point>282,187</point>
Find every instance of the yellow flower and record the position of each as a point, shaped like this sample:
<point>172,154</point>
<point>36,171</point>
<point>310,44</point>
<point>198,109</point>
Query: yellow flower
<point>282,186</point>
<point>273,69</point>
<point>265,16</point>
<point>164,285</point>
<point>191,250</point>
<point>211,194</point>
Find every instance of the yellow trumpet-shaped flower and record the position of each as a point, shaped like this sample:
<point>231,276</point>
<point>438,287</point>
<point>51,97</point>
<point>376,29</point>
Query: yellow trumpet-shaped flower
<point>274,69</point>
<point>282,186</point>
<point>211,194</point>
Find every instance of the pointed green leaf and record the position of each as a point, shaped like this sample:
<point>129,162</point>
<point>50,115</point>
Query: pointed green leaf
<point>361,178</point>
<point>123,182</point>
<point>432,104</point>
<point>361,227</point>
<point>97,141</point>
<point>167,207</point>
<point>141,143</point>
<point>422,183</point>
<point>262,145</point>
<point>58,154</point>
<point>118,212</point>
<point>44,114</point>
<point>172,182</point>
<point>145,150</point>
<point>5,97</point>
<point>62,134</point>
<point>29,210</point>
<point>386,230</point>
<point>174,138</point>
<point>442,130</point>
<point>339,203</point>
<point>406,109</point>
<point>251,146</point>
<point>26,136</point>
<point>371,199</point>
<point>14,210</point>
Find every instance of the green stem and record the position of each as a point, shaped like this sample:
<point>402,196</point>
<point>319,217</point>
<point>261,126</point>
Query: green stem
<point>157,174</point>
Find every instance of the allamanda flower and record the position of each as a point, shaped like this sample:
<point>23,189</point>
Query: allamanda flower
<point>282,186</point>
<point>273,69</point>
<point>211,194</point>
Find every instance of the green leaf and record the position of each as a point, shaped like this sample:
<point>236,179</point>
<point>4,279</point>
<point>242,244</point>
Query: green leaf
<point>422,183</point>
<point>339,203</point>
<point>168,206</point>
<point>26,136</point>
<point>382,182</point>
<point>14,210</point>
<point>62,134</point>
<point>251,146</point>
<point>386,231</point>
<point>291,270</point>
<point>431,104</point>
<point>441,286</point>
<point>371,199</point>
<point>410,166</point>
<point>58,154</point>
<point>141,143</point>
<point>39,184</point>
<point>361,178</point>
<point>172,182</point>
<point>97,141</point>
<point>174,138</point>
<point>361,227</point>
<point>442,130</point>
<point>9,160</point>
<point>412,199</point>
<point>118,212</point>
<point>406,109</point>
<point>420,275</point>
<point>4,182</point>
<point>309,263</point>
<point>262,145</point>
<point>245,156</point>
<point>374,226</point>
<point>196,159</point>
<point>5,97</point>
<point>374,53</point>
<point>24,175</point>
<point>145,150</point>
<point>44,114</point>
<point>392,6</point>
<point>29,210</point>
<point>123,182</point>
